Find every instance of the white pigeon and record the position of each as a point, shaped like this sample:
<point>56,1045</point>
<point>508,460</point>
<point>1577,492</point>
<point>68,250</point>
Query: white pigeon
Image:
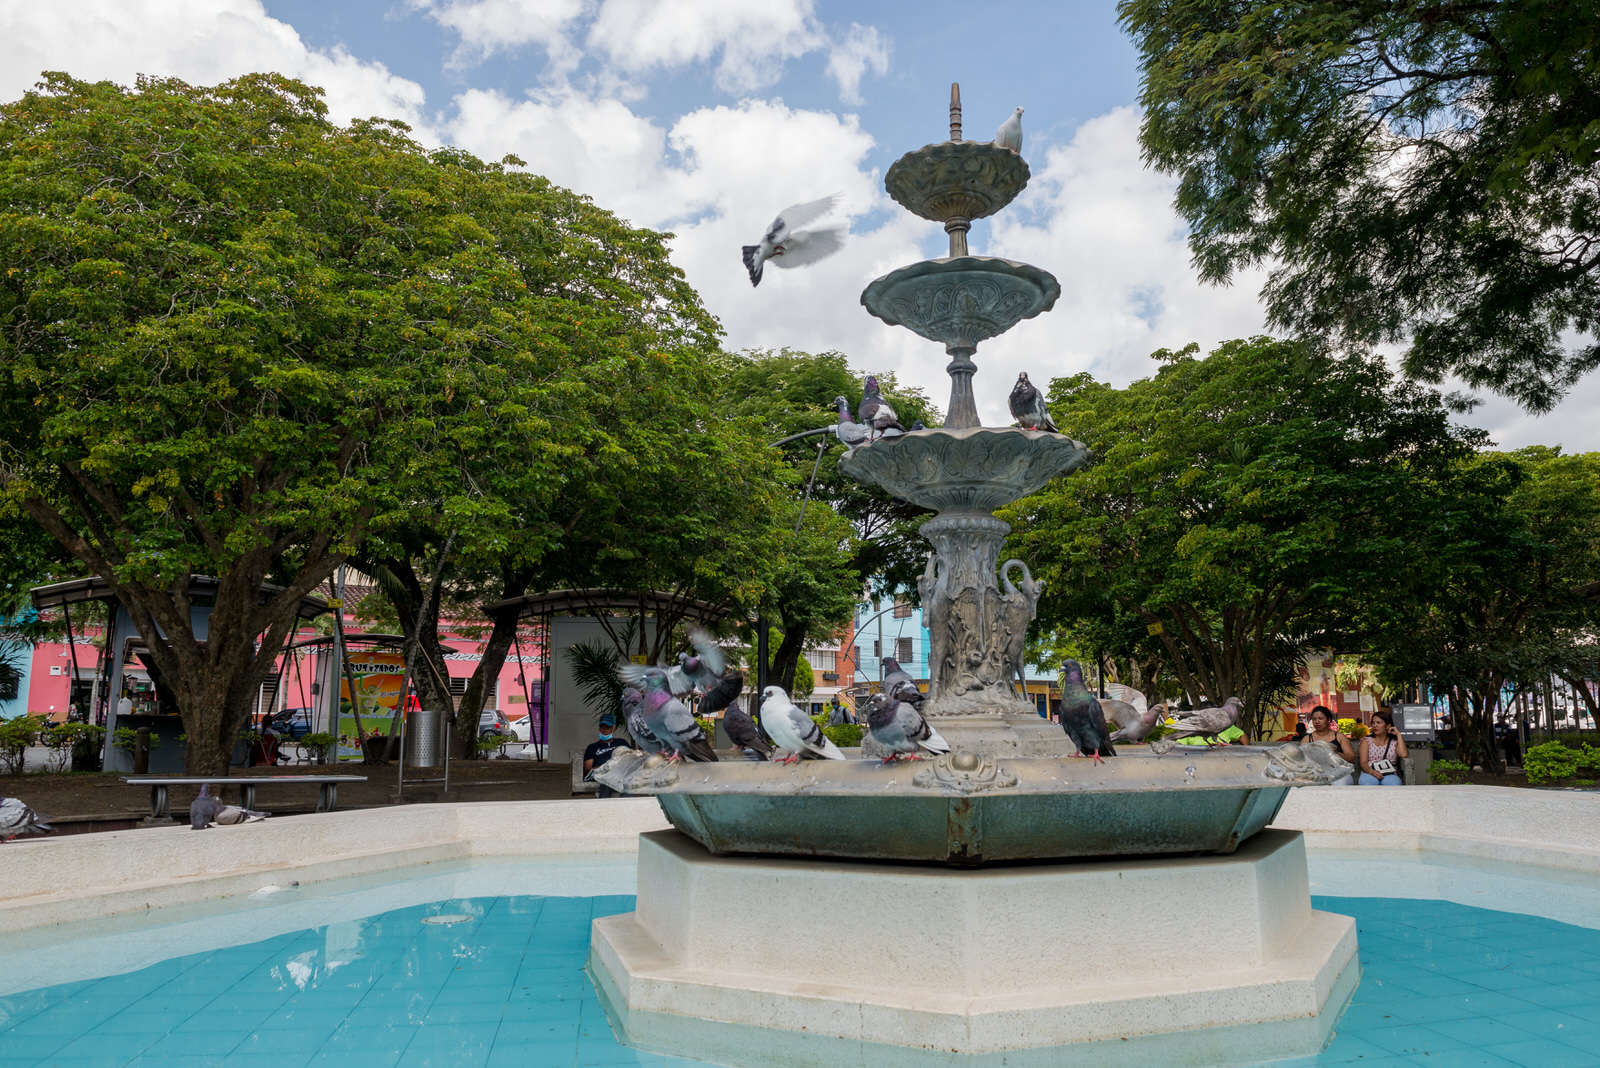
<point>796,733</point>
<point>1010,133</point>
<point>788,246</point>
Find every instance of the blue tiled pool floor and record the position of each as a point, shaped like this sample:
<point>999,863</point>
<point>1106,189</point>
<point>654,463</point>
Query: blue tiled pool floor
<point>1442,984</point>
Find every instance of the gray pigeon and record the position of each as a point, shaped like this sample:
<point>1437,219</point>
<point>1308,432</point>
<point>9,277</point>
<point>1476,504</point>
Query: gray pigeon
<point>1010,133</point>
<point>633,714</point>
<point>788,247</point>
<point>707,671</point>
<point>794,731</point>
<point>1208,722</point>
<point>1141,725</point>
<point>850,432</point>
<point>901,729</point>
<point>203,809</point>
<point>17,819</point>
<point>228,815</point>
<point>874,412</point>
<point>1027,406</point>
<point>670,720</point>
<point>1081,717</point>
<point>744,733</point>
<point>898,683</point>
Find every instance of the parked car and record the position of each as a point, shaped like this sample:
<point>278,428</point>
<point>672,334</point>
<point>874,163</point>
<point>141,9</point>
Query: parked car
<point>292,724</point>
<point>522,728</point>
<point>493,722</point>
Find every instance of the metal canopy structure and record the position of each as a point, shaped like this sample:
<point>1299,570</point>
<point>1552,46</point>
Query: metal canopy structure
<point>586,601</point>
<point>95,588</point>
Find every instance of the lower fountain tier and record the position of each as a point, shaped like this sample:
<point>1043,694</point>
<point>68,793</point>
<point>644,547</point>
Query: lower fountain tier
<point>965,808</point>
<point>799,962</point>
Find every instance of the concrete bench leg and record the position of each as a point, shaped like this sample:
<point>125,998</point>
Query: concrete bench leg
<point>327,796</point>
<point>158,801</point>
<point>247,795</point>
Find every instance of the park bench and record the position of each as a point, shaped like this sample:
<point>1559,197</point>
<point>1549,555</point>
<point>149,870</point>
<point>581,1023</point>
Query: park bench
<point>327,794</point>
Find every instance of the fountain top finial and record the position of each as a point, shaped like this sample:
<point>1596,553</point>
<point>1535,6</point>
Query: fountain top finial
<point>955,111</point>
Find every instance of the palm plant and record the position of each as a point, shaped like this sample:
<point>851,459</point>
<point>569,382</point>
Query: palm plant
<point>594,669</point>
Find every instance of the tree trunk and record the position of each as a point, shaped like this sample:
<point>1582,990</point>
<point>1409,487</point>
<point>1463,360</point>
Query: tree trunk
<point>785,661</point>
<point>493,658</point>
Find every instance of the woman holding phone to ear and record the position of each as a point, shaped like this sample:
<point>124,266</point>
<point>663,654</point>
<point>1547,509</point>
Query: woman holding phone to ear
<point>1381,753</point>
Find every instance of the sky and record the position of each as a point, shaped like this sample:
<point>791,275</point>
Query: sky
<point>706,118</point>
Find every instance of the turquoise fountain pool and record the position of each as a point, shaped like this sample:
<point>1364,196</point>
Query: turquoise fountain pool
<point>356,975</point>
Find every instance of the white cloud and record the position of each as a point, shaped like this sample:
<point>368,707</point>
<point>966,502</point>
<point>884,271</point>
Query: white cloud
<point>489,26</point>
<point>753,40</point>
<point>861,49</point>
<point>199,41</point>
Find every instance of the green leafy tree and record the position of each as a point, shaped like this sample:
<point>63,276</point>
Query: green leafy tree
<point>1505,565</point>
<point>1237,506</point>
<point>239,340</point>
<point>1411,170</point>
<point>853,535</point>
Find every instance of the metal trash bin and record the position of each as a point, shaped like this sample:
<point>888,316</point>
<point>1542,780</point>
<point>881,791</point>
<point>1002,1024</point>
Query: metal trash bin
<point>425,737</point>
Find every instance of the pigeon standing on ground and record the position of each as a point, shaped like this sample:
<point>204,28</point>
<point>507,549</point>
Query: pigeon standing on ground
<point>743,732</point>
<point>874,412</point>
<point>789,247</point>
<point>850,432</point>
<point>901,729</point>
<point>1027,406</point>
<point>1081,717</point>
<point>203,809</point>
<point>670,720</point>
<point>228,815</point>
<point>795,732</point>
<point>898,683</point>
<point>1208,722</point>
<point>17,819</point>
<point>1010,133</point>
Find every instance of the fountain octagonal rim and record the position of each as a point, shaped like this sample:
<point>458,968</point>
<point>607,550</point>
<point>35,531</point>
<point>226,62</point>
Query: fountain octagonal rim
<point>965,469</point>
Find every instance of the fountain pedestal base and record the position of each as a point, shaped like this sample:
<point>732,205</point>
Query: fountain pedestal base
<point>1155,960</point>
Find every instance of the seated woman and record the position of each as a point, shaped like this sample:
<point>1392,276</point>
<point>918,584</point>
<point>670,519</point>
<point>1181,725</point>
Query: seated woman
<point>1324,728</point>
<point>1382,752</point>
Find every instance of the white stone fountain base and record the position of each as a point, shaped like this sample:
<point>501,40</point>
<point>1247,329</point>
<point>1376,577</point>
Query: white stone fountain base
<point>1211,960</point>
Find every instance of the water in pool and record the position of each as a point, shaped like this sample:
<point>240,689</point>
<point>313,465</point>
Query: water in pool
<point>502,983</point>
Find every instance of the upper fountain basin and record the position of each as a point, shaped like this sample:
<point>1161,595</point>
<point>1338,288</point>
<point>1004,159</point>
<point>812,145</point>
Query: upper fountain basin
<point>962,300</point>
<point>977,469</point>
<point>956,180</point>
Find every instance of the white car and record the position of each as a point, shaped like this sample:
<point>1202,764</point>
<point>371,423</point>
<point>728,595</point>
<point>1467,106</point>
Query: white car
<point>522,727</point>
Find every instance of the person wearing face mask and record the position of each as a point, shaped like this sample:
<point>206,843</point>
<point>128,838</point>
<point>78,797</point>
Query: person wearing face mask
<point>597,753</point>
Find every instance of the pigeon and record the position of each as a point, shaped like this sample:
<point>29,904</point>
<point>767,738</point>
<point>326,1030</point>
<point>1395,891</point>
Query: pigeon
<point>874,412</point>
<point>1081,717</point>
<point>17,819</point>
<point>794,731</point>
<point>900,728</point>
<point>744,733</point>
<point>1027,406</point>
<point>850,432</point>
<point>788,247</point>
<point>707,671</point>
<point>1142,724</point>
<point>1010,133</point>
<point>228,815</point>
<point>898,683</point>
<point>670,720</point>
<point>633,715</point>
<point>203,810</point>
<point>1208,722</point>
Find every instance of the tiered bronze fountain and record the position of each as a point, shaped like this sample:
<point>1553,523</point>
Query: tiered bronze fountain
<point>777,937</point>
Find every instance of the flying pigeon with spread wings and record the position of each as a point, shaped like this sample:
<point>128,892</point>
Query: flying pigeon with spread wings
<point>786,245</point>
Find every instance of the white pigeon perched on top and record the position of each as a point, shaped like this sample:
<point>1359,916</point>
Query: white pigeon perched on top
<point>1010,133</point>
<point>788,246</point>
<point>17,819</point>
<point>796,733</point>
